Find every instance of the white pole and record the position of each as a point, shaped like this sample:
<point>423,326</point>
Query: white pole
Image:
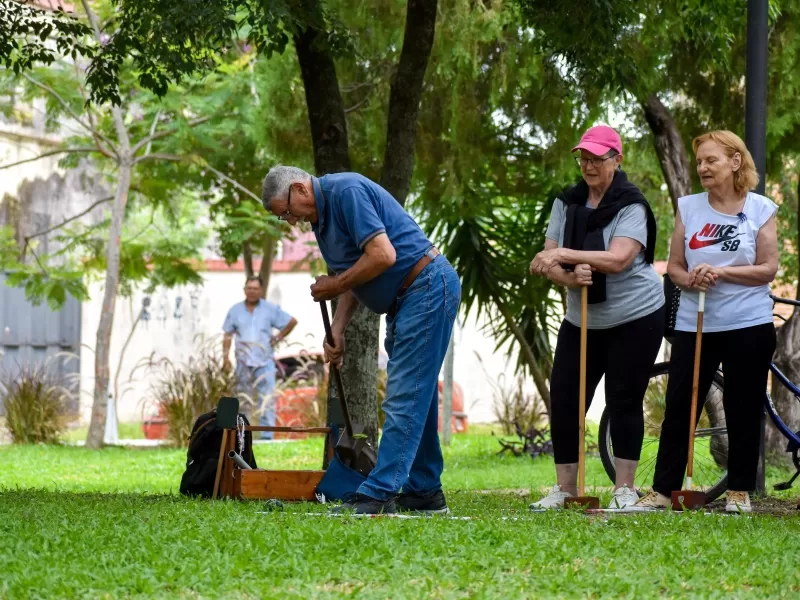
<point>111,435</point>
<point>447,393</point>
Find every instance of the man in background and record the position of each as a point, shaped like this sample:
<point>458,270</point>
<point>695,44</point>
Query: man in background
<point>253,323</point>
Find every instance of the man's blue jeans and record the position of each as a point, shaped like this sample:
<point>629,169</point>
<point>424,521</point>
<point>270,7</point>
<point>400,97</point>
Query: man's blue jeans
<point>409,456</point>
<point>259,384</point>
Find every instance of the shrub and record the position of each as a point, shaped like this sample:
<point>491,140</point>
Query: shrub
<point>35,402</point>
<point>183,392</point>
<point>304,370</point>
<point>515,409</point>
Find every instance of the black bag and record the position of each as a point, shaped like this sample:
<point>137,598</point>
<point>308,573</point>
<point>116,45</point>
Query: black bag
<point>672,300</point>
<point>203,455</point>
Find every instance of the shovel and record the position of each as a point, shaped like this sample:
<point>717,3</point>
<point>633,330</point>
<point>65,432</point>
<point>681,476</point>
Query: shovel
<point>581,500</point>
<point>689,499</point>
<point>227,411</point>
<point>353,449</point>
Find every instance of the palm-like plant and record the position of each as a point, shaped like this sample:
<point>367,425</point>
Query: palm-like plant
<point>491,252</point>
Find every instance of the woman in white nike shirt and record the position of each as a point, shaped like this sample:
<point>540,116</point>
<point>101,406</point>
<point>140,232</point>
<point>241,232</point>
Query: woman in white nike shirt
<point>725,244</point>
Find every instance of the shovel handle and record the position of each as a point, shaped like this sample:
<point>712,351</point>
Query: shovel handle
<point>582,393</point>
<point>337,376</point>
<point>698,346</point>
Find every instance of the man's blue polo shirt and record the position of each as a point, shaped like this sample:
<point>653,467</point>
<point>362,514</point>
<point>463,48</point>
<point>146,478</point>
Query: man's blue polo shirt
<point>351,211</point>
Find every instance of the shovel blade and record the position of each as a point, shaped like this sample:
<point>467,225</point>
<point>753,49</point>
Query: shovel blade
<point>582,502</point>
<point>356,453</point>
<point>688,500</point>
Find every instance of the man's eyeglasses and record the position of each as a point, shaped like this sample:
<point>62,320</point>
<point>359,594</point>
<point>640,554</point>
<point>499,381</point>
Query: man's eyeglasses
<point>596,161</point>
<point>288,213</point>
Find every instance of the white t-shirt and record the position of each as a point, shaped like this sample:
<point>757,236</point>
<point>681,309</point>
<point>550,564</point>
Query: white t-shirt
<point>721,240</point>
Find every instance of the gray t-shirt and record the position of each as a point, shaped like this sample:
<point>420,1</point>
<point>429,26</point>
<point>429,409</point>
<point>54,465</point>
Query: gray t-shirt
<point>635,292</point>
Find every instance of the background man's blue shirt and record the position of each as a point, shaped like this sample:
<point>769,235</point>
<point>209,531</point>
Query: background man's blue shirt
<point>351,211</point>
<point>254,330</point>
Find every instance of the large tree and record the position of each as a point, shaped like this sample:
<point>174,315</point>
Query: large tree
<point>122,142</point>
<point>329,135</point>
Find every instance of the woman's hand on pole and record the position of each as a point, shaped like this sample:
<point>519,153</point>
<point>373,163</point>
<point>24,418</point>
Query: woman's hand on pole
<point>703,277</point>
<point>583,275</point>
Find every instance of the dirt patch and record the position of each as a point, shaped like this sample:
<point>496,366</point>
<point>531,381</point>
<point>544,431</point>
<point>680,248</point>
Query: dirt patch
<point>764,506</point>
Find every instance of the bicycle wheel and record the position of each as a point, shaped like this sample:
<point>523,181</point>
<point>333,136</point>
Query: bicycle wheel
<point>710,444</point>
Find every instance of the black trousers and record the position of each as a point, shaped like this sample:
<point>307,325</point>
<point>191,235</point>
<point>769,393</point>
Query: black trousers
<point>745,355</point>
<point>625,355</point>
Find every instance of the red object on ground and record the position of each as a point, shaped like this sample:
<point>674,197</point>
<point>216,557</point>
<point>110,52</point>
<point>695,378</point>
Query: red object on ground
<point>292,409</point>
<point>458,418</point>
<point>155,428</point>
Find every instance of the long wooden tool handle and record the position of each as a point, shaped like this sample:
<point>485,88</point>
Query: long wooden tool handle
<point>698,345</point>
<point>219,463</point>
<point>337,376</point>
<point>582,394</point>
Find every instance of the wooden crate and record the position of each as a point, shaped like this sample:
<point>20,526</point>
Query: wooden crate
<point>263,484</point>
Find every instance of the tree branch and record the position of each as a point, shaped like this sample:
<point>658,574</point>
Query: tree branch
<point>38,262</point>
<point>46,154</point>
<point>28,238</point>
<point>152,132</point>
<point>357,105</point>
<point>95,133</point>
<point>162,134</point>
<point>202,163</point>
<point>405,97</point>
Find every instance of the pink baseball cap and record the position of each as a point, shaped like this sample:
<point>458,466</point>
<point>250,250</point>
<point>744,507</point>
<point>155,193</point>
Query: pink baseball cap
<point>599,140</point>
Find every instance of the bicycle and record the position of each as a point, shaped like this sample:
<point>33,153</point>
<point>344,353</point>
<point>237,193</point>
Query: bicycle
<point>711,437</point>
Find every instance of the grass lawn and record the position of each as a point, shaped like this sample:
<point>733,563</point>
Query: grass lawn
<point>109,524</point>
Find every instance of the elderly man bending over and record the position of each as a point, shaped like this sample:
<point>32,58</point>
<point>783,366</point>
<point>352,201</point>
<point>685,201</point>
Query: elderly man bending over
<point>383,260</point>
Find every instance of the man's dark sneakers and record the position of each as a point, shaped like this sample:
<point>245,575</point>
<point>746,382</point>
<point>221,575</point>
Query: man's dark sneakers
<point>359,504</point>
<point>433,503</point>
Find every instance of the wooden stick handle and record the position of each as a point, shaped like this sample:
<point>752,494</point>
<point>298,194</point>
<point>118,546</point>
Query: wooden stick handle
<point>698,346</point>
<point>582,394</point>
<point>219,463</point>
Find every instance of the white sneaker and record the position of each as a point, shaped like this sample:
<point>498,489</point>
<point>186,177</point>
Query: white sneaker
<point>623,498</point>
<point>738,502</point>
<point>555,499</point>
<point>652,501</point>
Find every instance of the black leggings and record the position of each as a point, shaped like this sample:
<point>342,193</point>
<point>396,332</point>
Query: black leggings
<point>745,355</point>
<point>625,355</point>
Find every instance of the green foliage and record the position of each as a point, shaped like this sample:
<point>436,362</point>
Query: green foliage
<point>183,392</point>
<point>788,226</point>
<point>497,125</point>
<point>42,283</point>
<point>31,36</point>
<point>34,401</point>
<point>168,43</point>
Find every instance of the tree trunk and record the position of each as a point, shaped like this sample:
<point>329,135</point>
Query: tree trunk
<point>787,359</point>
<point>94,438</point>
<point>265,270</point>
<point>404,99</point>
<point>331,155</point>
<point>324,101</point>
<point>247,258</point>
<point>669,147</point>
<point>360,373</point>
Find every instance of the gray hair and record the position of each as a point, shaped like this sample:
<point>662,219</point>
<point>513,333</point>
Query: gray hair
<point>277,182</point>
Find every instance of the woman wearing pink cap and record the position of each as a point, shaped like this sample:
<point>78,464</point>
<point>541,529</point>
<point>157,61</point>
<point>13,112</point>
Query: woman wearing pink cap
<point>602,234</point>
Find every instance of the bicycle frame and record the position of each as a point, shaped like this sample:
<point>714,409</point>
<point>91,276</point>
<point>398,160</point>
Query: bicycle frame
<point>769,405</point>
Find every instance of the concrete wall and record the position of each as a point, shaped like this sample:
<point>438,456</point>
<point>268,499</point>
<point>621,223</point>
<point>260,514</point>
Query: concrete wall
<point>203,311</point>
